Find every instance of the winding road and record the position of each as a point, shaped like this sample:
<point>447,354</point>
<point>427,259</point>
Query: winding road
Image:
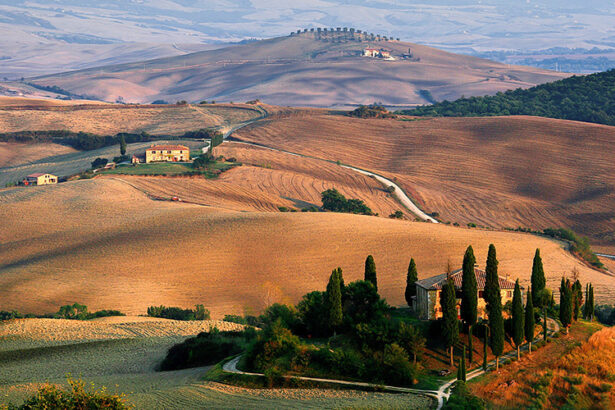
<point>440,395</point>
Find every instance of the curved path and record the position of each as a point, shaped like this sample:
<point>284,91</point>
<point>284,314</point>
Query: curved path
<point>440,395</point>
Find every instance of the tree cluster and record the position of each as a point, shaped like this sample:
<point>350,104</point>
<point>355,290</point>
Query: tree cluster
<point>176,313</point>
<point>334,201</point>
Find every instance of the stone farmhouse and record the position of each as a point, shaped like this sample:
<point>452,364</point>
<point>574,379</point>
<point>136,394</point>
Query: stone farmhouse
<point>40,179</point>
<point>167,153</point>
<point>428,292</point>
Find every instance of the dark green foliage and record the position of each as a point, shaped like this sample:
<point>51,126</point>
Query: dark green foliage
<point>485,344</point>
<point>605,314</point>
<point>581,98</point>
<point>461,368</point>
<point>492,283</point>
<point>411,339</point>
<point>538,278</point>
<point>578,244</point>
<point>589,308</point>
<point>469,292</point>
<point>99,163</point>
<point>334,300</point>
<point>334,201</point>
<point>450,322</point>
<point>79,140</point>
<point>122,145</point>
<point>278,312</point>
<point>411,279</point>
<point>462,399</point>
<point>312,308</point>
<point>50,396</point>
<point>529,321</point>
<point>397,215</point>
<point>176,313</point>
<point>274,342</point>
<point>371,111</point>
<point>362,303</point>
<point>397,368</point>
<point>77,311</point>
<point>518,330</point>
<point>215,136</point>
<point>205,349</point>
<point>577,299</point>
<point>370,271</point>
<point>496,323</point>
<point>565,303</point>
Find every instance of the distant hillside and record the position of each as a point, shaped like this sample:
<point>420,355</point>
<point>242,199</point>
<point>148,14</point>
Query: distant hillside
<point>313,68</point>
<point>589,98</point>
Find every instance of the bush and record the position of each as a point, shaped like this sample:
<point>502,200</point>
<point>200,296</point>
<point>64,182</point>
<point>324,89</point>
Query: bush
<point>99,163</point>
<point>202,350</point>
<point>397,368</point>
<point>371,111</point>
<point>397,215</point>
<point>78,398</point>
<point>463,399</point>
<point>333,200</point>
<point>199,313</point>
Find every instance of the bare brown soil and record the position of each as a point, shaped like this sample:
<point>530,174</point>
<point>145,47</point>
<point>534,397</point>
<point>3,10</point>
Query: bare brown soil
<point>500,172</point>
<point>105,244</point>
<point>106,119</point>
<point>12,154</point>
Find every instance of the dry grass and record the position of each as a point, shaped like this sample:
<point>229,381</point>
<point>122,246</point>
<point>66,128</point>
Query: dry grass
<point>268,180</point>
<point>103,243</point>
<point>12,153</point>
<point>105,119</point>
<point>500,172</point>
<point>575,370</point>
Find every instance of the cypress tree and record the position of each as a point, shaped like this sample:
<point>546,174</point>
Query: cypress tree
<point>469,294</point>
<point>577,298</point>
<point>493,298</point>
<point>122,145</point>
<point>334,299</point>
<point>538,278</point>
<point>463,364</point>
<point>370,271</point>
<point>591,302</point>
<point>565,303</point>
<point>517,318</point>
<point>529,320</point>
<point>544,323</point>
<point>411,279</point>
<point>459,370</point>
<point>485,344</point>
<point>586,304</point>
<point>450,322</point>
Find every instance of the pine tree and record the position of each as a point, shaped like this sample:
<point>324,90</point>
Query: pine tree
<point>370,271</point>
<point>450,322</point>
<point>469,294</point>
<point>122,145</point>
<point>334,299</point>
<point>565,303</point>
<point>529,322</point>
<point>538,279</point>
<point>517,318</point>
<point>411,279</point>
<point>493,298</point>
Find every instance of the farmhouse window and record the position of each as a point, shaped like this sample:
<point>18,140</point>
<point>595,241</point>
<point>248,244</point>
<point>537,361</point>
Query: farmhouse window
<point>509,293</point>
<point>481,294</point>
<point>168,152</point>
<point>153,152</point>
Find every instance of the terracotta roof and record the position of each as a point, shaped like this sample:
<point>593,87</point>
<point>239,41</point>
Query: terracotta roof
<point>168,147</point>
<point>36,175</point>
<point>436,282</point>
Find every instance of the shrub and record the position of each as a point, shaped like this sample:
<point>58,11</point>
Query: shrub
<point>333,200</point>
<point>397,368</point>
<point>202,350</point>
<point>397,215</point>
<point>462,399</point>
<point>51,397</point>
<point>99,163</point>
<point>199,313</point>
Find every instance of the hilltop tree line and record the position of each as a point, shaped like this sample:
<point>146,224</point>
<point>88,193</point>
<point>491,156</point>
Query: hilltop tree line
<point>589,98</point>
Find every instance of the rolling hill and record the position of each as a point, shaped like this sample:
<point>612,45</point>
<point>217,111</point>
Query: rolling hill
<point>500,172</point>
<point>307,69</point>
<point>105,244</point>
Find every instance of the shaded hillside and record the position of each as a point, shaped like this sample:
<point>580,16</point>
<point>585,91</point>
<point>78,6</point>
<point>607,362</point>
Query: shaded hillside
<point>500,172</point>
<point>105,244</point>
<point>589,98</point>
<point>307,69</point>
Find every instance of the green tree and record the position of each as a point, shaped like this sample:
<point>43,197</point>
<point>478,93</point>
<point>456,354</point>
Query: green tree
<point>122,145</point>
<point>334,299</point>
<point>461,369</point>
<point>529,322</point>
<point>469,294</point>
<point>411,339</point>
<point>538,278</point>
<point>565,303</point>
<point>586,304</point>
<point>450,322</point>
<point>493,298</point>
<point>485,344</point>
<point>370,271</point>
<point>592,305</point>
<point>577,299</point>
<point>411,279</point>
<point>517,318</point>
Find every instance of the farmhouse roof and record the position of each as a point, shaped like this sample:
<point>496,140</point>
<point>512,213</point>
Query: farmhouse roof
<point>168,147</point>
<point>436,282</point>
<point>36,175</point>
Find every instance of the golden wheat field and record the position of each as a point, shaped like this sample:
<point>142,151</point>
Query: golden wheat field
<point>12,153</point>
<point>500,172</point>
<point>268,180</point>
<point>103,243</point>
<point>106,119</point>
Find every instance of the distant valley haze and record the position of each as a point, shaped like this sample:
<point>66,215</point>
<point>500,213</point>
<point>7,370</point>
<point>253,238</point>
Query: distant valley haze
<point>47,36</point>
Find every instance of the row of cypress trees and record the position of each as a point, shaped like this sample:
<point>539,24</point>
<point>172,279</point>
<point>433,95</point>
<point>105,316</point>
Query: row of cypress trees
<point>571,300</point>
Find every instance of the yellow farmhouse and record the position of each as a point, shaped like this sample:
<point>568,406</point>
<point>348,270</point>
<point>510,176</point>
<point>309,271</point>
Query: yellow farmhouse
<point>428,292</point>
<point>40,179</point>
<point>167,153</point>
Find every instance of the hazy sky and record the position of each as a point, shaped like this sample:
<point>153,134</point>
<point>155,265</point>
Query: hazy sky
<point>461,24</point>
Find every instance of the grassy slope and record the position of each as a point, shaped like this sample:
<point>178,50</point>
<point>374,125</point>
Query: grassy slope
<point>104,244</point>
<point>12,153</point>
<point>300,71</point>
<point>501,172</point>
